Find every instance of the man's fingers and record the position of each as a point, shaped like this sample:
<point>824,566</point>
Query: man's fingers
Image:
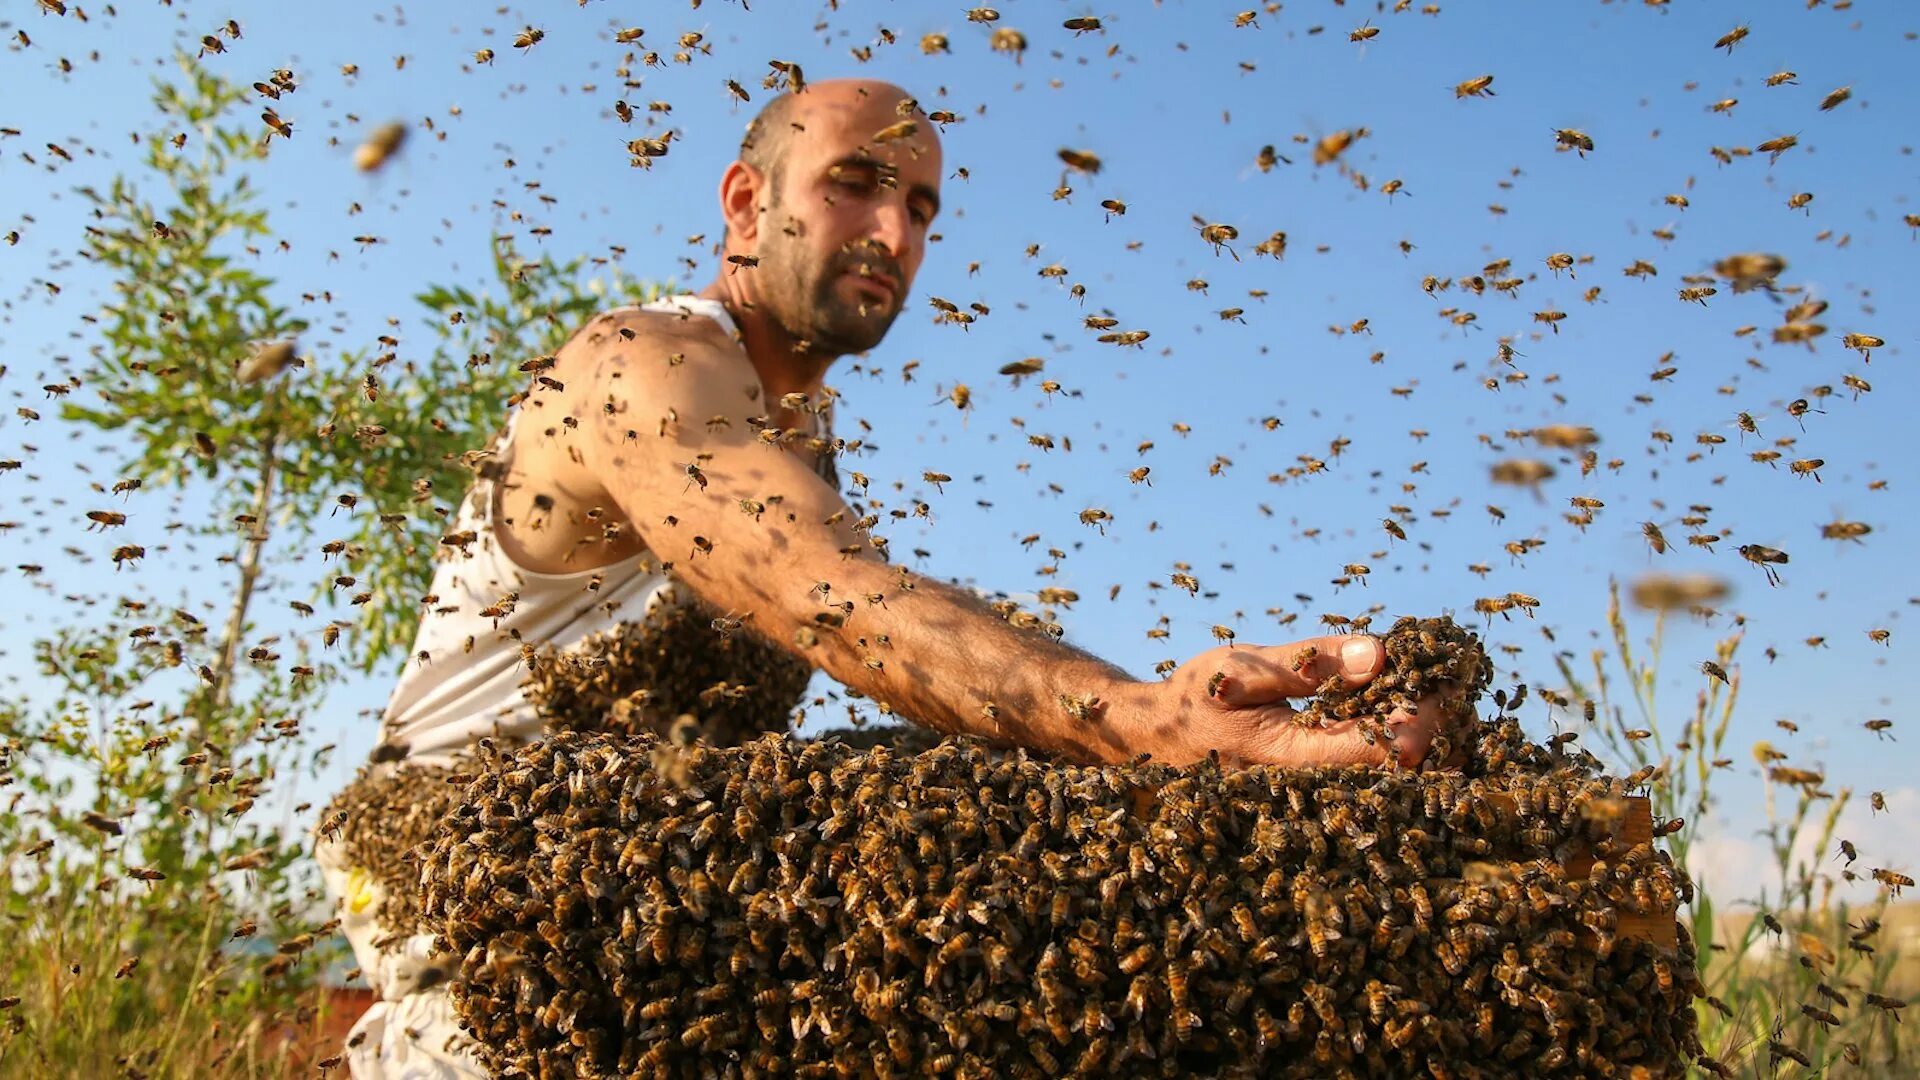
<point>1258,674</point>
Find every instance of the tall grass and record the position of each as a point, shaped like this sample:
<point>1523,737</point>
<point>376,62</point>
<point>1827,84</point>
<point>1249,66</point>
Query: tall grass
<point>153,923</point>
<point>1795,978</point>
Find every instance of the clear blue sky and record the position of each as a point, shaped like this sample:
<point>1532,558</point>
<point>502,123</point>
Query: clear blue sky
<point>1177,119</point>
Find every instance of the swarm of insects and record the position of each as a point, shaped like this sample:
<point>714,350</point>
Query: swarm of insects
<point>644,675</point>
<point>1424,657</point>
<point>625,906</point>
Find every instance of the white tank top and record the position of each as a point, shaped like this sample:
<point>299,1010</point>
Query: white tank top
<point>445,704</point>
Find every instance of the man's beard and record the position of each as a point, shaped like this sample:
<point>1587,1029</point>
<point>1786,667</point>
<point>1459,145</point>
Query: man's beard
<point>813,309</point>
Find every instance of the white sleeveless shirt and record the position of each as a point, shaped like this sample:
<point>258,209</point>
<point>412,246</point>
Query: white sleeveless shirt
<point>444,705</point>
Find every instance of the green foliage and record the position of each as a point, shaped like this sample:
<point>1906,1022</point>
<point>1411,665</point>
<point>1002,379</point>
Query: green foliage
<point>1759,974</point>
<point>163,915</point>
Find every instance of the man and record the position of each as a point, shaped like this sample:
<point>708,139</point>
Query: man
<point>678,434</point>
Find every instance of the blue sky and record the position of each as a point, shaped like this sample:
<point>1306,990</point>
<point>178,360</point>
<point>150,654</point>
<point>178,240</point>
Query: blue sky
<point>1177,114</point>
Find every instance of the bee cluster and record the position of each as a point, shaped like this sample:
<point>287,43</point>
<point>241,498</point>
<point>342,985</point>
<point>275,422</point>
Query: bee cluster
<point>623,906</point>
<point>663,676</point>
<point>1424,657</point>
<point>684,660</point>
<point>381,819</point>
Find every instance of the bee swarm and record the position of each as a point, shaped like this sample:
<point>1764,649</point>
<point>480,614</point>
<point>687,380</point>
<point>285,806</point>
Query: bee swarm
<point>625,906</point>
<point>1424,656</point>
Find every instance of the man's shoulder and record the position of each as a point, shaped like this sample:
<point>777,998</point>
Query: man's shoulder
<point>682,357</point>
<point>632,323</point>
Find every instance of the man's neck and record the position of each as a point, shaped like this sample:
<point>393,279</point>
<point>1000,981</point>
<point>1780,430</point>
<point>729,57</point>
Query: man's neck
<point>769,346</point>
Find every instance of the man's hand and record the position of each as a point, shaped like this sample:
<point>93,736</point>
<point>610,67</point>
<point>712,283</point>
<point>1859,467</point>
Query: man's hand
<point>1233,699</point>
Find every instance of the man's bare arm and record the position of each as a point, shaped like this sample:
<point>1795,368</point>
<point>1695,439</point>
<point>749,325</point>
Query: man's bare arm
<point>754,531</point>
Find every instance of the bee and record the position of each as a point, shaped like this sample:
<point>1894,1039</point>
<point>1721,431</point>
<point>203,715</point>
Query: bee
<point>1894,882</point>
<point>1783,77</point>
<point>1807,467</point>
<point>1082,25</point>
<point>1778,146</point>
<point>1082,161</point>
<point>1865,343</point>
<point>528,37</point>
<point>1884,1003</point>
<point>1765,558</point>
<point>1834,99</point>
<point>1366,32</point>
<point>1478,86</point>
<point>1572,139</point>
<point>275,125</point>
<point>379,147</point>
<point>1218,235</point>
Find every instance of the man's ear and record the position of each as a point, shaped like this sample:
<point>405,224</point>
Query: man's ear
<point>742,188</point>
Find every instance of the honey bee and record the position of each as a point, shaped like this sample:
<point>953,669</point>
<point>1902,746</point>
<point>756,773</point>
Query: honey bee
<point>1865,343</point>
<point>1894,882</point>
<point>379,147</point>
<point>1766,558</point>
<point>1366,32</point>
<point>1082,25</point>
<point>1572,139</point>
<point>1834,99</point>
<point>1478,86</point>
<point>1218,235</point>
<point>528,37</point>
<point>1731,38</point>
<point>1082,161</point>
<point>1778,146</point>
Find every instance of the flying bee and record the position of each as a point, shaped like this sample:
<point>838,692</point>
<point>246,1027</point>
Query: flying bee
<point>1082,161</point>
<point>1218,235</point>
<point>1572,139</point>
<point>528,37</point>
<point>1834,99</point>
<point>1783,77</point>
<point>1866,343</point>
<point>1082,25</point>
<point>1765,558</point>
<point>1366,32</point>
<point>1894,881</point>
<point>1479,86</point>
<point>380,146</point>
<point>1807,467</point>
<point>1778,146</point>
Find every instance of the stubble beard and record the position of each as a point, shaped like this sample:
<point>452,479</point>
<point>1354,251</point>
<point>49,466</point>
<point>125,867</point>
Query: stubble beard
<point>810,307</point>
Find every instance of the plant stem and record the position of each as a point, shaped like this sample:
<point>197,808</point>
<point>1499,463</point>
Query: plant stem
<point>250,552</point>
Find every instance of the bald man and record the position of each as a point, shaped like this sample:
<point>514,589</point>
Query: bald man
<point>682,453</point>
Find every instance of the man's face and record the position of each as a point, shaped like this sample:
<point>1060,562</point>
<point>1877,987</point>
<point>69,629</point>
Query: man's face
<point>846,226</point>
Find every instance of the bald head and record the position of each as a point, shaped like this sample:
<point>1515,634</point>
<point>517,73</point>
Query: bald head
<point>831,199</point>
<point>772,132</point>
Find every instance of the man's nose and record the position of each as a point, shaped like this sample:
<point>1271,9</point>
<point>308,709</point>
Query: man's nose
<point>893,228</point>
